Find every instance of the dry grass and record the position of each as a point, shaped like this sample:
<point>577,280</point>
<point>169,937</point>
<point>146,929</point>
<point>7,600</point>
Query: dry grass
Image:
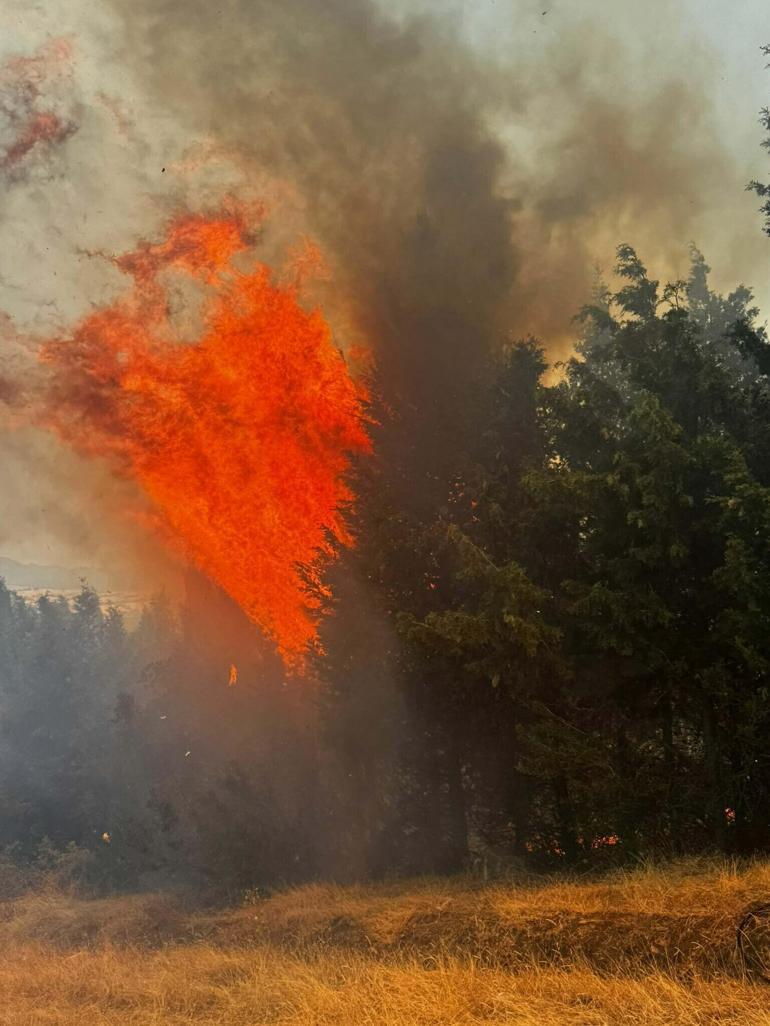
<point>452,953</point>
<point>246,987</point>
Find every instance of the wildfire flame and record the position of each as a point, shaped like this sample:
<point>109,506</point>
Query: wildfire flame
<point>233,680</point>
<point>241,438</point>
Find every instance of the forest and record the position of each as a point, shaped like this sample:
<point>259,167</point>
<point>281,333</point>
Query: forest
<point>549,646</point>
<point>557,654</point>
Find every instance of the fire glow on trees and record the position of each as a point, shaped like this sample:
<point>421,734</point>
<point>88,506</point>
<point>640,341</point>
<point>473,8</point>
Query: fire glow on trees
<point>241,438</point>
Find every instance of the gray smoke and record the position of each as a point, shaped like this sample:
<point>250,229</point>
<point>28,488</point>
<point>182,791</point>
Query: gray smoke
<point>445,228</point>
<point>463,167</point>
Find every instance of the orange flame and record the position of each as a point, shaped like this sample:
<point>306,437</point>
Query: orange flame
<point>233,676</point>
<point>241,439</point>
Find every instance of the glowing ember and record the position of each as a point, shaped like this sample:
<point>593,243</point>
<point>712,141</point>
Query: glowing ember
<point>241,438</point>
<point>233,676</point>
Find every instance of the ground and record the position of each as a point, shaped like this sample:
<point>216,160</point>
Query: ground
<point>652,946</point>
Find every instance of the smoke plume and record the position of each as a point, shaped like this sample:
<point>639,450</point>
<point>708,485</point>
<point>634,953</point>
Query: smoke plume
<point>461,197</point>
<point>463,169</point>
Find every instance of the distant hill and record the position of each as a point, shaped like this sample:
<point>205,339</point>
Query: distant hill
<point>53,578</point>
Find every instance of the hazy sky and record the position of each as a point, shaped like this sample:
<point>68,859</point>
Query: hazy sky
<point>103,189</point>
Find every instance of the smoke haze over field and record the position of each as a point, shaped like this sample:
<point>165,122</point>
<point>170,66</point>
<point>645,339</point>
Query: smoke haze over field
<point>463,166</point>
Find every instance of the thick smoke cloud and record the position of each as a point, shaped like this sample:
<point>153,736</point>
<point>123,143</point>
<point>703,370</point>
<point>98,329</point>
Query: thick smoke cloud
<point>460,198</point>
<point>464,167</point>
<point>377,130</point>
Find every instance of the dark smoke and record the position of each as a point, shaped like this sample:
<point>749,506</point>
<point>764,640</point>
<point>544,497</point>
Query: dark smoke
<point>460,199</point>
<point>377,129</point>
<point>443,238</point>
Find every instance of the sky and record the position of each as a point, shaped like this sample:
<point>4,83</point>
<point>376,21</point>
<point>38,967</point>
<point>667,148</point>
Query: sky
<point>132,161</point>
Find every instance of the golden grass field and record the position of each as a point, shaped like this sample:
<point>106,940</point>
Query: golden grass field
<point>652,946</point>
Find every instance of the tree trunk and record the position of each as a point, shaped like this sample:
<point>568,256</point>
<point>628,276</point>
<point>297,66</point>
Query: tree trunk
<point>669,763</point>
<point>627,819</point>
<point>566,817</point>
<point>457,840</point>
<point>717,801</point>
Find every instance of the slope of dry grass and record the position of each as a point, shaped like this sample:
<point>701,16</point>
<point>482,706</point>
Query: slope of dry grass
<point>453,953</point>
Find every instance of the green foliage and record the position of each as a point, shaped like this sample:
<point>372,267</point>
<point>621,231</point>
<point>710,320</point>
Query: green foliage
<point>618,593</point>
<point>760,188</point>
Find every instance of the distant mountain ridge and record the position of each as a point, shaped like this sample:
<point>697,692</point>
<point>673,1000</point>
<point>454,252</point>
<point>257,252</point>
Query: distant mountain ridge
<point>55,578</point>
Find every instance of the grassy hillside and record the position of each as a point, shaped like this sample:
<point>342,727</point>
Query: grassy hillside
<point>651,947</point>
